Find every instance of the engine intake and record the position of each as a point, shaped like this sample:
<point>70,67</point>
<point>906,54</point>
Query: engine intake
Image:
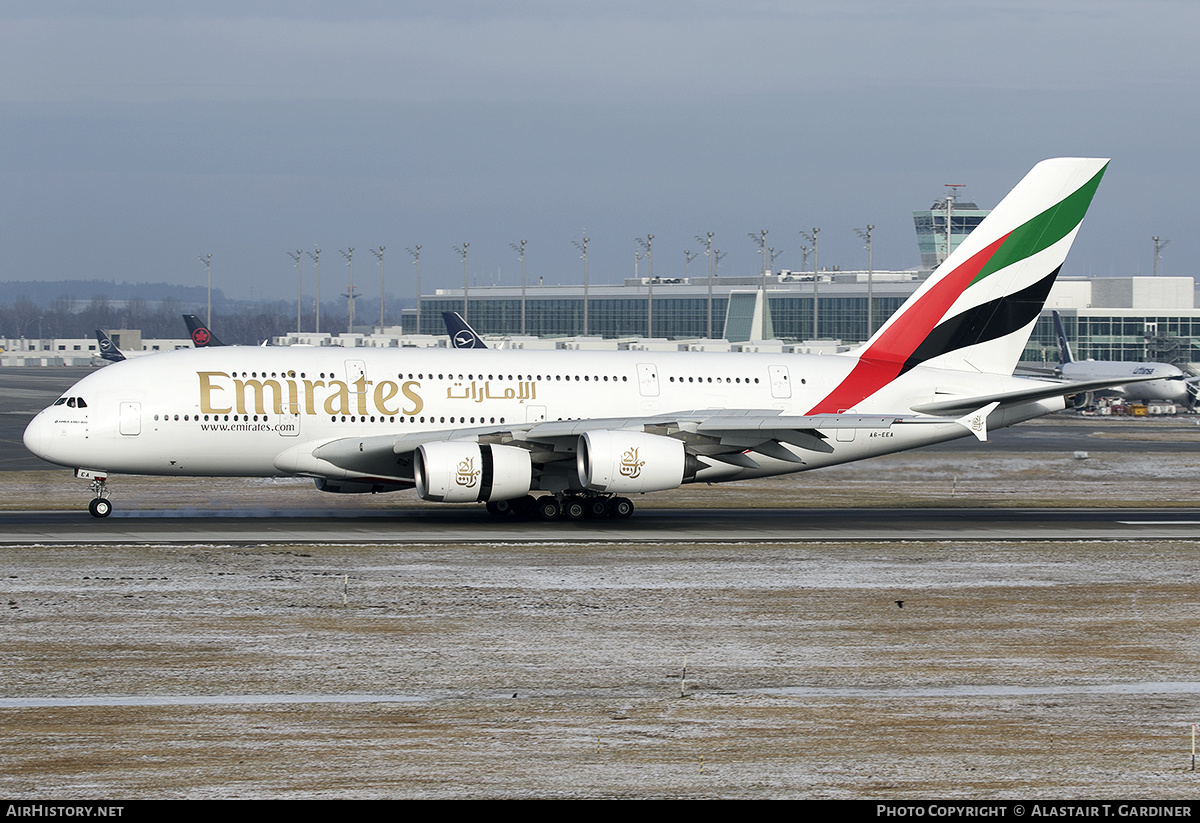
<point>459,472</point>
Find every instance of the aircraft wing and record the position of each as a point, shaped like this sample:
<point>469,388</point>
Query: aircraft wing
<point>1040,390</point>
<point>718,435</point>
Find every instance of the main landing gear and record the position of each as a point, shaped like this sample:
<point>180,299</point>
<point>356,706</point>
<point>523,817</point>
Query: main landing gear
<point>100,506</point>
<point>565,507</point>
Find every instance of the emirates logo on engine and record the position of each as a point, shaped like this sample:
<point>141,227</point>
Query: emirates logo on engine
<point>467,475</point>
<point>631,467</point>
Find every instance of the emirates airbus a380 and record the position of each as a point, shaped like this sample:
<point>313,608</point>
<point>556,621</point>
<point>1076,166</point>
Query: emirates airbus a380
<point>589,429</point>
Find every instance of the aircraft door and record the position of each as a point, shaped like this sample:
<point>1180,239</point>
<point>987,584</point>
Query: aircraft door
<point>131,419</point>
<point>648,379</point>
<point>781,385</point>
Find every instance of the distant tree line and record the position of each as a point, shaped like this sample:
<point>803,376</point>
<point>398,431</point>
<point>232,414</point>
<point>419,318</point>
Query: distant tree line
<point>245,323</point>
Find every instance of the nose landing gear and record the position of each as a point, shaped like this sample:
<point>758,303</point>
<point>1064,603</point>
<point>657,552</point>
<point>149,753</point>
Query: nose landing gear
<point>100,506</point>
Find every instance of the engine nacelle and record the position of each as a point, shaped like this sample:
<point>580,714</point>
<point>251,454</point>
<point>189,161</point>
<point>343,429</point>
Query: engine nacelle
<point>630,462</point>
<point>460,472</point>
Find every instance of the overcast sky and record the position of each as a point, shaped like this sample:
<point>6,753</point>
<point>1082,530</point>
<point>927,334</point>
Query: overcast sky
<point>137,136</point>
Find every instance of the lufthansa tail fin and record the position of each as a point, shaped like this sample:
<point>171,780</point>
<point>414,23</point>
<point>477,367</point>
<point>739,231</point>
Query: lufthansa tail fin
<point>462,336</point>
<point>201,336</point>
<point>108,349</point>
<point>1064,348</point>
<point>977,310</point>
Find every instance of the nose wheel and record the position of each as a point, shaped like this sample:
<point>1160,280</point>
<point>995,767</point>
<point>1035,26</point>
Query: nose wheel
<point>100,506</point>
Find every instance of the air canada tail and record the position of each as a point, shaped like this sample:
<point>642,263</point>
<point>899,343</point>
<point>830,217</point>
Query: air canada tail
<point>976,311</point>
<point>201,336</point>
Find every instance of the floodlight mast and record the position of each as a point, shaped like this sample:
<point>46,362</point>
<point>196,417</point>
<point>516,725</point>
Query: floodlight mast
<point>648,245</point>
<point>761,240</point>
<point>462,252</point>
<point>582,245</point>
<point>520,250</point>
<point>297,256</point>
<point>866,234</point>
<point>1158,247</point>
<point>379,253</point>
<point>207,261</point>
<point>316,256</point>
<point>416,254</point>
<point>708,252</point>
<point>812,238</point>
<point>349,295</point>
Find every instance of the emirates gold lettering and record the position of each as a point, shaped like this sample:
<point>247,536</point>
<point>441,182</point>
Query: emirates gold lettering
<point>259,388</point>
<point>222,393</point>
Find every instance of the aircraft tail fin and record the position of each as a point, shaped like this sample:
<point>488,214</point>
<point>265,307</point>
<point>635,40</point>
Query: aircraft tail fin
<point>977,310</point>
<point>108,349</point>
<point>462,336</point>
<point>1064,348</point>
<point>201,336</point>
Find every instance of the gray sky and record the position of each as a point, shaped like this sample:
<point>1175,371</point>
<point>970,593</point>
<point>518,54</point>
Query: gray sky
<point>136,136</point>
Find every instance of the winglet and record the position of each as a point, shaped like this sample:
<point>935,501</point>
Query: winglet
<point>976,421</point>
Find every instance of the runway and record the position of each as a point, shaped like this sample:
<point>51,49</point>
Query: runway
<point>472,526</point>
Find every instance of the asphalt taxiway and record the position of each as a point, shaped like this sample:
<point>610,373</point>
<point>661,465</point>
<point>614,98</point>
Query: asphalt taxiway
<point>420,525</point>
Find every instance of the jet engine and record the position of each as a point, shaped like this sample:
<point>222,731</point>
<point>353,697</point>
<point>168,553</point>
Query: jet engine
<point>460,472</point>
<point>632,462</point>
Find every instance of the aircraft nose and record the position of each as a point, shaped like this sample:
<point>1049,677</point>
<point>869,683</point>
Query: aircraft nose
<point>35,435</point>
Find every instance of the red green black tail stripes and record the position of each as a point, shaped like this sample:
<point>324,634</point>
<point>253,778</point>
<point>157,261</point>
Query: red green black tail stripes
<point>921,329</point>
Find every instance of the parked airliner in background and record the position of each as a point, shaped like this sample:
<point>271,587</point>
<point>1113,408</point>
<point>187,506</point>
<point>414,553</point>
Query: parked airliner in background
<point>591,428</point>
<point>200,334</point>
<point>462,336</point>
<point>1171,385</point>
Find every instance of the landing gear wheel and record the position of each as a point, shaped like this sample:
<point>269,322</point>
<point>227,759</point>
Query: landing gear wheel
<point>597,507</point>
<point>573,508</point>
<point>99,507</point>
<point>547,508</point>
<point>524,506</point>
<point>621,507</point>
<point>499,508</point>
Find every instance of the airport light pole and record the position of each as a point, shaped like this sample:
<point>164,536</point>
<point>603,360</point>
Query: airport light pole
<point>379,253</point>
<point>298,256</point>
<point>316,256</point>
<point>416,254</point>
<point>812,238</point>
<point>583,248</point>
<point>207,261</point>
<point>761,240</point>
<point>462,252</point>
<point>708,252</point>
<point>648,245</point>
<point>349,295</point>
<point>520,250</point>
<point>866,234</point>
<point>1158,247</point>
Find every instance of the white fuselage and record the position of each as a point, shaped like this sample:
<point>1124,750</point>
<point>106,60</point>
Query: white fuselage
<point>251,411</point>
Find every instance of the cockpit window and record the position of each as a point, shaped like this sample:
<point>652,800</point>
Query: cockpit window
<point>60,401</point>
<point>71,402</point>
<point>82,405</point>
